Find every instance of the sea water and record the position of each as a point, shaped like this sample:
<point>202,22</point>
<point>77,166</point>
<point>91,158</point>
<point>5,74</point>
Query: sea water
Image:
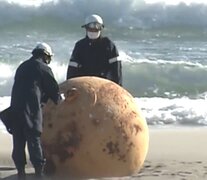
<point>162,47</point>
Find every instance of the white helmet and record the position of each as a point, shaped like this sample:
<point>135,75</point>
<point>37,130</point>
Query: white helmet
<point>93,19</point>
<point>45,47</point>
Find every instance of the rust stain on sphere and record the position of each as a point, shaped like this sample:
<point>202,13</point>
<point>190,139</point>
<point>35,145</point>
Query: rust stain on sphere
<point>98,131</point>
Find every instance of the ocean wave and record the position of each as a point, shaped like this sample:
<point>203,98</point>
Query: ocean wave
<point>121,13</point>
<point>166,79</point>
<point>143,78</point>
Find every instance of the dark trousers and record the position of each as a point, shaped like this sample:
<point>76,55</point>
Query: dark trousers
<point>21,136</point>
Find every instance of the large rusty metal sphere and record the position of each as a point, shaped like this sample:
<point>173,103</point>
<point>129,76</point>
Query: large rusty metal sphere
<point>98,131</point>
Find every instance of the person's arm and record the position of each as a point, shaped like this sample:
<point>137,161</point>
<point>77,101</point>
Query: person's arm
<point>50,86</point>
<point>116,70</point>
<point>115,65</point>
<point>73,69</point>
<point>74,65</point>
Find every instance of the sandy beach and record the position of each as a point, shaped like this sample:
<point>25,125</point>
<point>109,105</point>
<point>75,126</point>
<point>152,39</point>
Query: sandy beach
<point>179,154</point>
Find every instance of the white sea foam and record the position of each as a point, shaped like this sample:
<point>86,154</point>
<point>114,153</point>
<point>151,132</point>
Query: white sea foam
<point>162,112</point>
<point>177,112</point>
<point>59,70</point>
<point>4,103</point>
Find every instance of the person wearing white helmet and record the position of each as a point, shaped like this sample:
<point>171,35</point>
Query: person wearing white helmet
<point>34,84</point>
<point>43,51</point>
<point>93,25</point>
<point>95,55</point>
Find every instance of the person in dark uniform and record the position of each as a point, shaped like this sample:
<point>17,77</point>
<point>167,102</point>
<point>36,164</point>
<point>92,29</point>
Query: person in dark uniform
<point>95,55</point>
<point>34,84</point>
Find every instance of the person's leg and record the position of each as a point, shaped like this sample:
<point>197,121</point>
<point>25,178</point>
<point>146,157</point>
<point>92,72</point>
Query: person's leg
<point>35,152</point>
<point>18,154</point>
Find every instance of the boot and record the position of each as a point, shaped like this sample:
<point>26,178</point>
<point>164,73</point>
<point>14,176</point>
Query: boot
<point>21,173</point>
<point>39,173</point>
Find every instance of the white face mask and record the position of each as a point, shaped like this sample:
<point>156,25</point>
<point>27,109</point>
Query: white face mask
<point>93,35</point>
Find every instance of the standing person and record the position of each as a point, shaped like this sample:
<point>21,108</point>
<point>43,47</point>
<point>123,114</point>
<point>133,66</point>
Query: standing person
<point>95,55</point>
<point>34,84</point>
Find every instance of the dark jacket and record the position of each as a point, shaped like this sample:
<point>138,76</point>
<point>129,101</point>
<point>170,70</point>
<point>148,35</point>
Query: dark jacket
<point>34,83</point>
<point>95,58</point>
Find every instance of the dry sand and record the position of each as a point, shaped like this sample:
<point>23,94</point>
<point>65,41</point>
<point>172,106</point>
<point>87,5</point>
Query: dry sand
<point>178,154</point>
